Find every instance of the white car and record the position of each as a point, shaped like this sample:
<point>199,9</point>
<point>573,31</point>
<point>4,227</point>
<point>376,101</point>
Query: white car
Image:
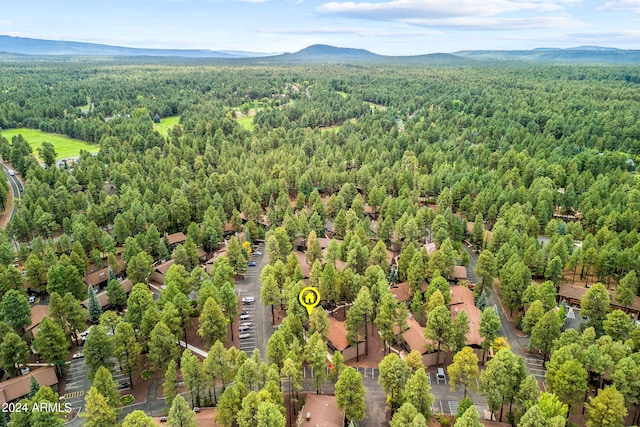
<point>244,336</point>
<point>244,328</point>
<point>245,317</point>
<point>248,300</point>
<point>78,355</point>
<point>32,299</point>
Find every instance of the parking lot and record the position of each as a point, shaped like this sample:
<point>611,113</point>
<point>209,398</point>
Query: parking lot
<point>247,335</point>
<point>77,384</point>
<point>254,313</point>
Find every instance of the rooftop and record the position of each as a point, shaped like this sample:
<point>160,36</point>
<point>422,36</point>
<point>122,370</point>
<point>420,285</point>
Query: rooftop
<point>323,411</point>
<point>17,387</point>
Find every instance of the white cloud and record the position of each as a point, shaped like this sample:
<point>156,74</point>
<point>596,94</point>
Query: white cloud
<point>621,6</point>
<point>358,31</point>
<point>404,9</point>
<point>498,24</point>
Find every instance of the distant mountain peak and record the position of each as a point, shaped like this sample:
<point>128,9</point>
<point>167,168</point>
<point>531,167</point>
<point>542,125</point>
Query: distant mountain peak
<point>328,50</point>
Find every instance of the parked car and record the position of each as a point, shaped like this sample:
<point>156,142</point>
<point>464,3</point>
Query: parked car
<point>258,253</point>
<point>163,419</point>
<point>248,300</point>
<point>252,264</point>
<point>245,317</point>
<point>32,299</point>
<point>244,336</point>
<point>78,355</point>
<point>244,328</point>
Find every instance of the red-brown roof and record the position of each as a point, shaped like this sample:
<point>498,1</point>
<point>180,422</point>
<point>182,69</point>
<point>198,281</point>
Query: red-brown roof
<point>302,261</point>
<point>414,336</point>
<point>323,410</point>
<point>462,299</point>
<point>338,334</point>
<point>460,272</point>
<point>163,268</point>
<point>97,276</point>
<point>176,238</point>
<point>38,312</point>
<point>18,387</point>
<point>577,292</point>
<point>401,292</point>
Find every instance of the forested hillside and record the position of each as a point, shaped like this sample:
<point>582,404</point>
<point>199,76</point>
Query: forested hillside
<point>534,166</point>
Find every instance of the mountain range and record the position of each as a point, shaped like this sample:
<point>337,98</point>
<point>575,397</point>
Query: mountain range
<point>316,53</point>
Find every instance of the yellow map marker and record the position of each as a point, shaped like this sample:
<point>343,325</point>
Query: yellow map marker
<point>309,297</point>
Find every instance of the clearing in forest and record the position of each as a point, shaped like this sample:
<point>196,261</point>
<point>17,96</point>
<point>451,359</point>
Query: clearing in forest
<point>165,124</point>
<point>65,147</point>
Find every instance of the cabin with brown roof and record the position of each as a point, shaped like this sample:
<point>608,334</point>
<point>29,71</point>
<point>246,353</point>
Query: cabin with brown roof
<point>337,340</point>
<point>401,292</point>
<point>102,297</point>
<point>320,410</point>
<point>176,239</point>
<point>38,313</point>
<point>160,271</point>
<point>98,279</point>
<point>573,296</point>
<point>462,300</point>
<point>18,387</point>
<point>459,273</point>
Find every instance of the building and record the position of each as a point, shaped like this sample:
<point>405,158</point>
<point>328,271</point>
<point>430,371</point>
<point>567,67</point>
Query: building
<point>160,271</point>
<point>459,273</point>
<point>38,313</point>
<point>462,300</point>
<point>337,341</point>
<point>176,239</point>
<point>320,410</point>
<point>102,297</point>
<point>18,387</point>
<point>573,296</point>
<point>98,279</point>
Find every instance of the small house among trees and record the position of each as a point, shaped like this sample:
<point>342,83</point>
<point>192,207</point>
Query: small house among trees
<point>337,341</point>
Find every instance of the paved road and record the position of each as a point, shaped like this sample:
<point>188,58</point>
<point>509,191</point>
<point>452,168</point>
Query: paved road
<point>532,362</point>
<point>16,188</point>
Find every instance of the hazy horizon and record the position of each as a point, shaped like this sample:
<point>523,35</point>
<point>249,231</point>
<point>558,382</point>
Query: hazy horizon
<point>393,27</point>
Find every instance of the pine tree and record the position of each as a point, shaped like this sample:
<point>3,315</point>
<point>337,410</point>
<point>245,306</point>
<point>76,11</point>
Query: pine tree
<point>170,385</point>
<point>350,394</point>
<point>95,311</point>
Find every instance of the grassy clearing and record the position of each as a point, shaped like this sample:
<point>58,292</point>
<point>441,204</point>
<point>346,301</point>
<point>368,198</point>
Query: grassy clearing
<point>65,147</point>
<point>166,124</point>
<point>246,122</point>
<point>342,94</point>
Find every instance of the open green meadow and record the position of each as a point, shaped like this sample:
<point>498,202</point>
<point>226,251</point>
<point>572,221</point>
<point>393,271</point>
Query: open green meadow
<point>165,124</point>
<point>246,122</point>
<point>65,147</point>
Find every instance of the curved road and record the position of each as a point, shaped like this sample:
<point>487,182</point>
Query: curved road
<point>16,188</point>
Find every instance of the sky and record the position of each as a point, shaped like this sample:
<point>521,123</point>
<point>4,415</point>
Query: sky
<point>388,27</point>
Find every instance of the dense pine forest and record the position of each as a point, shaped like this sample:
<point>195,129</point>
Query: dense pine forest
<point>531,167</point>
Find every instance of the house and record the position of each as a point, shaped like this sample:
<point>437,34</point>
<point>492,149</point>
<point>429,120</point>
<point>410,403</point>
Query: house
<point>176,239</point>
<point>415,340</point>
<point>573,296</point>
<point>160,271</point>
<point>462,300</point>
<point>102,297</point>
<point>18,387</point>
<point>98,279</point>
<point>320,410</point>
<point>401,292</point>
<point>337,340</point>
<point>38,313</point>
<point>459,273</point>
